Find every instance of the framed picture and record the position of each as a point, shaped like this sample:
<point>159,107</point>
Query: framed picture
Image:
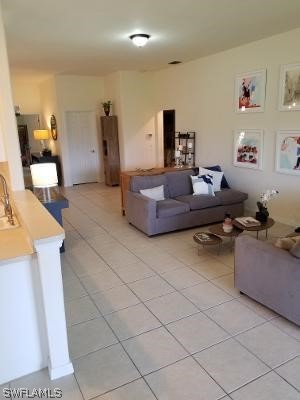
<point>289,88</point>
<point>250,91</point>
<point>248,148</point>
<point>288,152</point>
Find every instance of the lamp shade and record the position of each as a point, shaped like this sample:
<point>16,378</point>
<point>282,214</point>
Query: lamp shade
<point>44,175</point>
<point>41,134</point>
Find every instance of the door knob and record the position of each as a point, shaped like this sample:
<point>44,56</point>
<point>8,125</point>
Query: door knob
<point>92,151</point>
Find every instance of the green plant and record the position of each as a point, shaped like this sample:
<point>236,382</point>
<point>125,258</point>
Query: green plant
<point>106,104</point>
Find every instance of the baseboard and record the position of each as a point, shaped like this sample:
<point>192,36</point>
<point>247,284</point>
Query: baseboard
<point>61,371</point>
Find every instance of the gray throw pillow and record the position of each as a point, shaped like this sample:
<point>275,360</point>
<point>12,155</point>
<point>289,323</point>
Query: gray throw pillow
<point>295,250</point>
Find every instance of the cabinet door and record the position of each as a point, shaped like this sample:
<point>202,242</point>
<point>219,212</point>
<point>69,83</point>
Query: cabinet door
<point>83,145</point>
<point>109,126</point>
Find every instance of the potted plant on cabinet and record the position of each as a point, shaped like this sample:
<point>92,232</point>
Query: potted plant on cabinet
<point>106,107</point>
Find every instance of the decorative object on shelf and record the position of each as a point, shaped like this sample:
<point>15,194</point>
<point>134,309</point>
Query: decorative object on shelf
<point>227,224</point>
<point>178,159</point>
<point>248,148</point>
<point>289,88</point>
<point>106,107</point>
<point>139,39</point>
<point>250,91</point>
<point>186,142</point>
<point>288,152</point>
<point>53,127</point>
<point>17,111</point>
<point>263,213</point>
<point>44,176</point>
<point>42,135</point>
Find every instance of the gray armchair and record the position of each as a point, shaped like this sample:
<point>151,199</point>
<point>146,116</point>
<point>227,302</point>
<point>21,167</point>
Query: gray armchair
<point>268,275</point>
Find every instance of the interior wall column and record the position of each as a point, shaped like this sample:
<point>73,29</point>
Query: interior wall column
<point>8,125</point>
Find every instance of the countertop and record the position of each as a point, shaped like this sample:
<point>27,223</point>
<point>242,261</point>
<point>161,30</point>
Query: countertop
<point>36,226</point>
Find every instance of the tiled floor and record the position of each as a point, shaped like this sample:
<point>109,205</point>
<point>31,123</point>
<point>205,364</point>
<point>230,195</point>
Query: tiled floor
<point>150,319</point>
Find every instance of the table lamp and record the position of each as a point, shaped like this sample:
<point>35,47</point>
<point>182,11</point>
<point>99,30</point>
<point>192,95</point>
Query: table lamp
<point>44,176</point>
<point>42,135</point>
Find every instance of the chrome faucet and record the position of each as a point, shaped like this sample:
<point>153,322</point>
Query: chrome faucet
<point>6,202</point>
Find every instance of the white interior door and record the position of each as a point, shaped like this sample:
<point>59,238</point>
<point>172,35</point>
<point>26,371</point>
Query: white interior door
<point>83,145</point>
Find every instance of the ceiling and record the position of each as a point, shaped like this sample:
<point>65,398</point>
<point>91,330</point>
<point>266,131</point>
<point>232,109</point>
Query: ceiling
<point>91,37</point>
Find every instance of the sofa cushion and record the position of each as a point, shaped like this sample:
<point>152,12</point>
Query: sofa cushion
<point>138,183</point>
<point>170,207</point>
<point>295,250</point>
<point>230,196</point>
<point>200,201</point>
<point>179,182</point>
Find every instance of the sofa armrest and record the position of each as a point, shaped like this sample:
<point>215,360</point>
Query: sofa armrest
<point>141,212</point>
<point>269,275</point>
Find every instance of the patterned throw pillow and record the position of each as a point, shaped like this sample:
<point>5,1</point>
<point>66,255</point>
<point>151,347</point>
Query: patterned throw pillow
<point>203,184</point>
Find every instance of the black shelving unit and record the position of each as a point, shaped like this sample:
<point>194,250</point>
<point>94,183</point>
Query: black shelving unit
<point>183,139</point>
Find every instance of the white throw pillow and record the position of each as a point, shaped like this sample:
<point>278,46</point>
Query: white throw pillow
<point>203,185</point>
<point>216,175</point>
<point>156,193</point>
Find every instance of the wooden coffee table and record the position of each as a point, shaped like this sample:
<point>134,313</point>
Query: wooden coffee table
<point>207,239</point>
<point>218,230</point>
<point>264,226</point>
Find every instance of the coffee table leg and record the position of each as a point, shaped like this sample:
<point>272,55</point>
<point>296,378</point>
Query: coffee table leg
<point>257,235</point>
<point>267,233</point>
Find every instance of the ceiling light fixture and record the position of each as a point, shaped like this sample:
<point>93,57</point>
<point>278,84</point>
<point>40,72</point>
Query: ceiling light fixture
<point>139,39</point>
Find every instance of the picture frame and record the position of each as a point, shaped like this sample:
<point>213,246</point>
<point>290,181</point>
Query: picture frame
<point>289,88</point>
<point>248,148</point>
<point>288,152</point>
<point>250,91</point>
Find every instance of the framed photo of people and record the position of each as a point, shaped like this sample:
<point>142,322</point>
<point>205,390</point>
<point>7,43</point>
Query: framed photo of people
<point>248,148</point>
<point>288,152</point>
<point>250,91</point>
<point>289,88</point>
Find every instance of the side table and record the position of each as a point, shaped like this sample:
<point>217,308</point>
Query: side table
<point>54,206</point>
<point>264,226</point>
<point>207,239</point>
<point>218,230</point>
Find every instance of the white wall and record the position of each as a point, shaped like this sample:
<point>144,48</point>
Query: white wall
<point>9,142</point>
<point>26,94</point>
<point>202,93</point>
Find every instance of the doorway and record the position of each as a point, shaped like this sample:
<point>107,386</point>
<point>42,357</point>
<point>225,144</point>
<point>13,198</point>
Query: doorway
<point>169,137</point>
<point>83,146</point>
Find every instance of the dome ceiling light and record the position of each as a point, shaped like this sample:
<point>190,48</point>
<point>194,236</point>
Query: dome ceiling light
<point>139,39</point>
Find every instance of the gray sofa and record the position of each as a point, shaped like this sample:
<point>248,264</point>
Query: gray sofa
<point>180,209</point>
<point>268,275</point>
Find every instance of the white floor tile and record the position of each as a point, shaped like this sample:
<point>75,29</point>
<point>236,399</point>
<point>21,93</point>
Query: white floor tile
<point>89,336</point>
<point>268,387</point>
<point>153,350</point>
<point>80,310</point>
<point>115,299</point>
<point>73,289</point>
<point>211,268</point>
<point>287,326</point>
<point>171,307</point>
<point>234,317</point>
<point>270,344</point>
<point>184,380</point>
<point>132,321</point>
<point>206,295</point>
<point>41,380</point>
<point>231,365</point>
<point>104,370</point>
<point>197,332</point>
<point>182,278</point>
<point>134,272</point>
<point>150,288</point>
<point>101,282</point>
<point>291,372</point>
<point>257,307</point>
<point>137,390</point>
<point>226,283</point>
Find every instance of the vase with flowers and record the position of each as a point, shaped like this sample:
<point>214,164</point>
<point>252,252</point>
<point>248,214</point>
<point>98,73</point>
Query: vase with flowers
<point>263,213</point>
<point>106,107</point>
